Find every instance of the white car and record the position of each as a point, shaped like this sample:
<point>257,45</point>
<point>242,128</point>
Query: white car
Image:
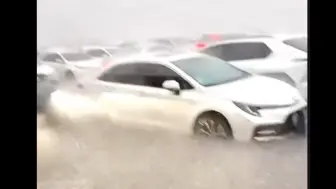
<point>99,51</point>
<point>46,83</point>
<point>298,41</point>
<point>44,70</point>
<point>263,55</point>
<point>68,63</point>
<point>193,94</point>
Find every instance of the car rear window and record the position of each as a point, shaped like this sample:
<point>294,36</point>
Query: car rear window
<point>76,56</point>
<point>111,50</point>
<point>298,43</point>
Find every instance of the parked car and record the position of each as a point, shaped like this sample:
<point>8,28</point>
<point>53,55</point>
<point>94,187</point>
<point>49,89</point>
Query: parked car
<point>190,93</point>
<point>99,51</point>
<point>263,55</point>
<point>69,63</point>
<point>46,83</point>
<point>298,41</point>
<point>210,38</point>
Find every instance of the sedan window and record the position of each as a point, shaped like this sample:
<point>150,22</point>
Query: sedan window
<point>145,74</point>
<point>125,73</point>
<point>210,71</point>
<point>52,57</point>
<point>239,51</point>
<point>155,74</point>
<point>96,53</point>
<point>298,43</point>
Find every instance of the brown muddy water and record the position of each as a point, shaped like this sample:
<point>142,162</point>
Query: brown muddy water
<point>98,155</point>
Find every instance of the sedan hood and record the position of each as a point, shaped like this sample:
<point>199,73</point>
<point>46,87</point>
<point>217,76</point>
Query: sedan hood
<point>257,90</point>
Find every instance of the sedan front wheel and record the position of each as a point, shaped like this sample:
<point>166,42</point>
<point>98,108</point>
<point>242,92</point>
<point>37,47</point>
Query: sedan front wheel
<point>212,125</point>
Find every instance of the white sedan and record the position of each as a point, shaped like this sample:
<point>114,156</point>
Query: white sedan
<point>188,93</point>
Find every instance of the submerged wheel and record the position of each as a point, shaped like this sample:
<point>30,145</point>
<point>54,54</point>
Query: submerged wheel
<point>298,121</point>
<point>212,125</point>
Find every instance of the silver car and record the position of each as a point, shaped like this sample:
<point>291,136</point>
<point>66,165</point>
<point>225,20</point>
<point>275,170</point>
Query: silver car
<point>69,63</point>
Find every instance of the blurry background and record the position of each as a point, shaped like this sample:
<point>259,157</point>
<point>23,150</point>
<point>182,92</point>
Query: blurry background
<point>80,21</point>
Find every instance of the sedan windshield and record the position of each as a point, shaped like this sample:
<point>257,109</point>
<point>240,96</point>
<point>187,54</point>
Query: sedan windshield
<point>210,71</point>
<point>298,43</point>
<point>76,56</point>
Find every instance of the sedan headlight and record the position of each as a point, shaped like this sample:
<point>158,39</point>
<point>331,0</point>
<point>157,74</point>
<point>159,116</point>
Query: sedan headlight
<point>248,109</point>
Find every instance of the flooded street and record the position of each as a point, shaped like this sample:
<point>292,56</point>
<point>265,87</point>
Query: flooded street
<point>101,156</point>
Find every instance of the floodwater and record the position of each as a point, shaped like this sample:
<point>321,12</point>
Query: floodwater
<point>102,156</point>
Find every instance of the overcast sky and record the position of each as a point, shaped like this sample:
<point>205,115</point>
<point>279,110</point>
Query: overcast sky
<point>107,21</point>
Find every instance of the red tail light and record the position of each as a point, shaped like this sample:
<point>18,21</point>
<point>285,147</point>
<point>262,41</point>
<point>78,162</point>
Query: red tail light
<point>200,45</point>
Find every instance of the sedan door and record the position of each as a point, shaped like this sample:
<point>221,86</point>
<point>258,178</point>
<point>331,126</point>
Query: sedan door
<point>164,109</point>
<point>120,95</point>
<point>122,103</point>
<point>161,107</point>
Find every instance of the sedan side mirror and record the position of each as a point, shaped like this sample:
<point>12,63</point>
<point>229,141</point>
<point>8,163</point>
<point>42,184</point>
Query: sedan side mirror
<point>172,86</point>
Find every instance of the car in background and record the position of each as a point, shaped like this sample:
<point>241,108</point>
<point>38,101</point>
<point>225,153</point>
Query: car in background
<point>99,51</point>
<point>298,41</point>
<point>173,42</point>
<point>210,38</point>
<point>189,93</point>
<point>46,83</point>
<point>69,63</point>
<point>264,55</point>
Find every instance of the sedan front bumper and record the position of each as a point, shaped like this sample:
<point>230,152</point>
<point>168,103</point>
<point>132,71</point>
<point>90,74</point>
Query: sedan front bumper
<point>272,122</point>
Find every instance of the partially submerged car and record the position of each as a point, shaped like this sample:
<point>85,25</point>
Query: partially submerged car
<point>46,83</point>
<point>189,93</point>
